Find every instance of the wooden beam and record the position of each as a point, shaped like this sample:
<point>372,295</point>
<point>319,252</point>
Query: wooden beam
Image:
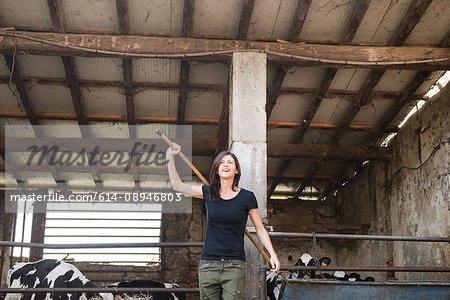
<point>405,97</point>
<point>309,176</point>
<point>355,21</point>
<point>324,85</point>
<point>41,43</point>
<point>224,131</point>
<point>188,17</point>
<point>410,20</point>
<point>364,98</point>
<point>299,20</point>
<point>56,14</point>
<point>14,69</point>
<point>72,81</point>
<point>274,91</point>
<point>183,91</point>
<point>122,13</point>
<point>331,93</point>
<point>246,17</point>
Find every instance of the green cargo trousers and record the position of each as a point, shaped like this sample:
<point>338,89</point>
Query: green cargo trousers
<point>221,278</point>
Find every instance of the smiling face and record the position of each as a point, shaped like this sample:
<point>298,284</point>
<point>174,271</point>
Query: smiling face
<point>227,167</point>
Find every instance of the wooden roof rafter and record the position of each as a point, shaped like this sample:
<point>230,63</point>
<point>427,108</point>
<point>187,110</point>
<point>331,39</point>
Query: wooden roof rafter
<point>410,20</point>
<point>359,12</point>
<point>246,17</point>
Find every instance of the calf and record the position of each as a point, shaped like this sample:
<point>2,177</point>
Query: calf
<point>308,260</point>
<point>46,273</point>
<point>149,284</point>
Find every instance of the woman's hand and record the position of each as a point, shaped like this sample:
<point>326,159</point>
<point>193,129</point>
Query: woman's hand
<point>274,263</point>
<point>173,150</point>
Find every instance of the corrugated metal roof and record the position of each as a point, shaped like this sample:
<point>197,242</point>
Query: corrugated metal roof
<point>392,16</point>
<point>273,164</point>
<point>108,101</point>
<point>290,108</point>
<point>16,127</point>
<point>277,16</point>
<point>117,180</point>
<point>395,80</point>
<point>204,131</point>
<point>8,100</point>
<point>50,98</point>
<point>423,89</point>
<point>60,128</point>
<point>304,77</point>
<point>280,135</point>
<point>429,31</point>
<point>101,15</point>
<point>355,138</point>
<point>41,66</point>
<point>216,73</point>
<point>99,68</point>
<point>299,166</point>
<point>109,129</point>
<point>332,168</point>
<point>4,71</point>
<point>156,103</point>
<point>335,13</point>
<point>25,13</point>
<point>349,79</point>
<point>37,179</point>
<point>156,17</point>
<point>156,70</point>
<point>77,179</point>
<point>332,111</point>
<point>204,105</point>
<point>317,136</point>
<point>373,113</point>
<point>216,17</point>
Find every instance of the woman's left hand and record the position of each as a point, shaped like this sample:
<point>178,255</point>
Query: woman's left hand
<point>275,264</point>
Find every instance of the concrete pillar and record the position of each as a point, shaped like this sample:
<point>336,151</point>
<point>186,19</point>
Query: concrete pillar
<point>247,139</point>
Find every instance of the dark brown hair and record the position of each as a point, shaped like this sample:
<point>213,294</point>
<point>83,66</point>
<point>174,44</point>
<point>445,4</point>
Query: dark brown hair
<point>214,178</point>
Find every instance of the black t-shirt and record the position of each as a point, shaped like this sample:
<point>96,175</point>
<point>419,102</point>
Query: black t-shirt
<point>226,225</point>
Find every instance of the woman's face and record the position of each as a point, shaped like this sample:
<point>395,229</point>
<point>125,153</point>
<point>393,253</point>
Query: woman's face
<point>227,167</point>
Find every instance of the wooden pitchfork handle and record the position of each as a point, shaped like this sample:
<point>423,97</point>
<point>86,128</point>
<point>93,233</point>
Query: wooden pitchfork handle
<point>203,179</point>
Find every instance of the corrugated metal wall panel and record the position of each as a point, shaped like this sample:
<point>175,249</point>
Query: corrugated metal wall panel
<point>156,70</point>
<point>327,19</point>
<point>16,127</point>
<point>204,131</point>
<point>98,68</point>
<point>156,17</point>
<point>204,105</point>
<point>50,98</point>
<point>216,17</point>
<point>25,13</point>
<point>8,100</point>
<point>156,103</point>
<point>106,101</point>
<point>101,15</point>
<point>41,66</point>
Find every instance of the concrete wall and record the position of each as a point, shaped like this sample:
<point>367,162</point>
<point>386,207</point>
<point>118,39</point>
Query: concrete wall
<point>408,196</point>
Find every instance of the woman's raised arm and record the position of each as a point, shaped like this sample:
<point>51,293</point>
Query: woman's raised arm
<point>178,185</point>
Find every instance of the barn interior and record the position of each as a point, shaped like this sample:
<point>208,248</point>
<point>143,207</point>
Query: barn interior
<point>344,126</point>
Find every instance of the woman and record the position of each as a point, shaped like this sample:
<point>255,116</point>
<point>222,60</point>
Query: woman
<point>222,265</point>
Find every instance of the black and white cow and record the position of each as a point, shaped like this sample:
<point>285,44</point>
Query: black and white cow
<point>340,275</point>
<point>47,273</point>
<point>308,260</point>
<point>149,284</point>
